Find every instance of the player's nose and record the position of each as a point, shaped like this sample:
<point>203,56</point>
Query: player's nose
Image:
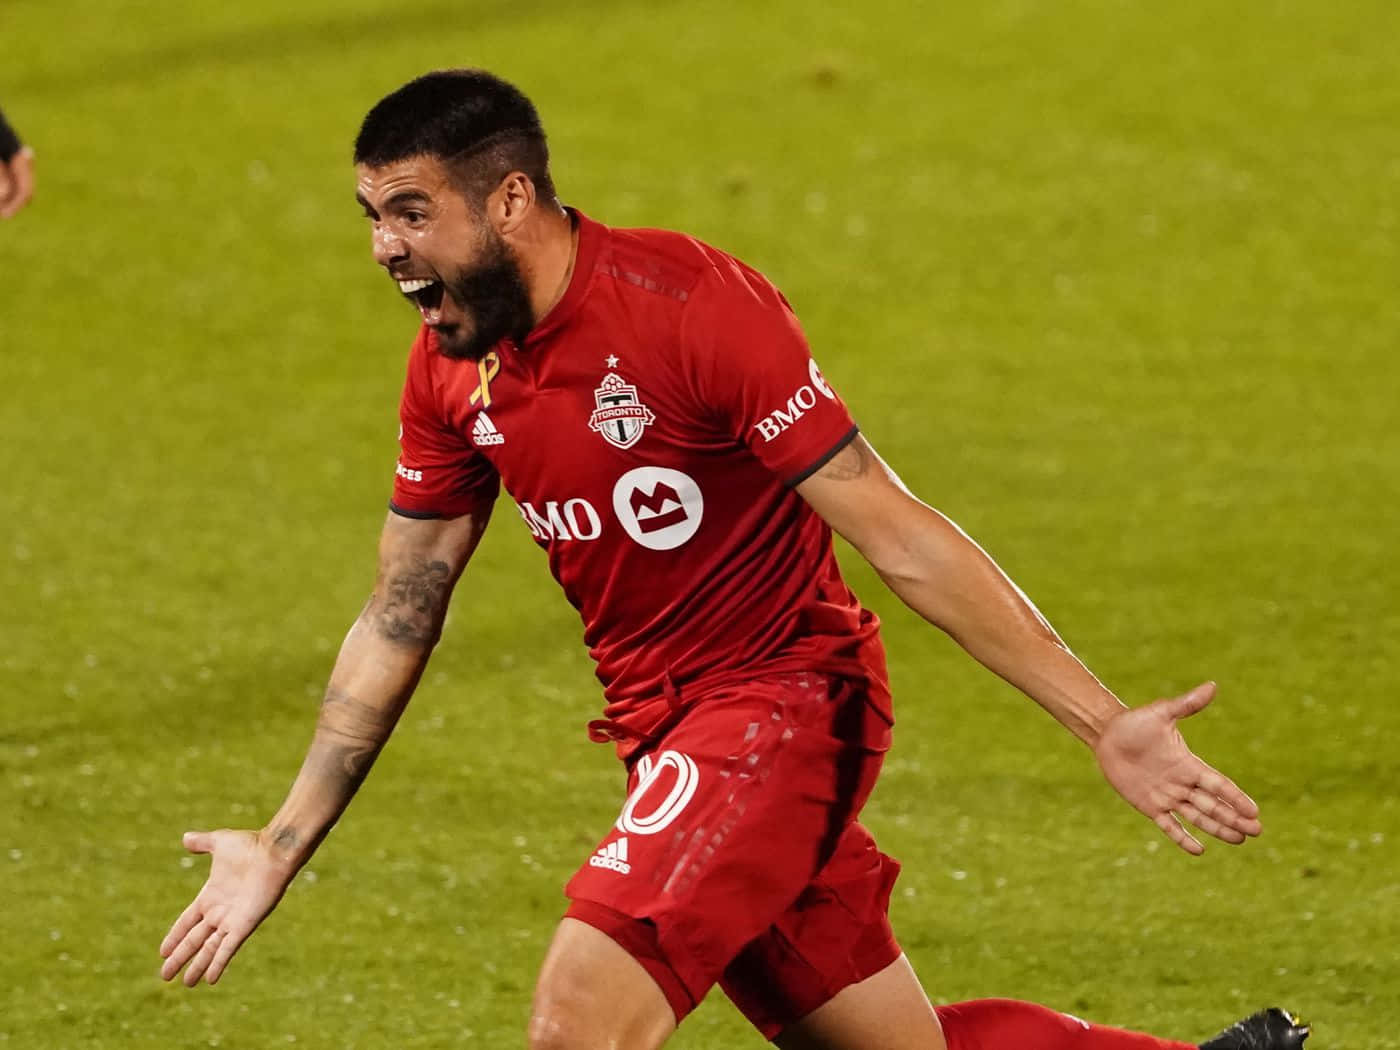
<point>388,247</point>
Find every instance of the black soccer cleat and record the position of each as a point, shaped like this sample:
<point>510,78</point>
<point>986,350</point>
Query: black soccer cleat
<point>1271,1029</point>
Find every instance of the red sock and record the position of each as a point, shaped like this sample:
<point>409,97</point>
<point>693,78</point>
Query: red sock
<point>1006,1024</point>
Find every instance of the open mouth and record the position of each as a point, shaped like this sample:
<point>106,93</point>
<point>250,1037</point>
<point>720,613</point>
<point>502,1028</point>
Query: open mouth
<point>427,296</point>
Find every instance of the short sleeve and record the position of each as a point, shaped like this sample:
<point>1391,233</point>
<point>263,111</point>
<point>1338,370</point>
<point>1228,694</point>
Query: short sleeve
<point>754,370</point>
<point>439,473</point>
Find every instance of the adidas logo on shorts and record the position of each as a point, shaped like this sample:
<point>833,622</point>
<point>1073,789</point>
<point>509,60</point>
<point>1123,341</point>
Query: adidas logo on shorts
<point>613,856</point>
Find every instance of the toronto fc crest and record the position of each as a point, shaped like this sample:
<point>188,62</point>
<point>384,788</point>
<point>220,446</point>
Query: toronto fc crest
<point>620,416</point>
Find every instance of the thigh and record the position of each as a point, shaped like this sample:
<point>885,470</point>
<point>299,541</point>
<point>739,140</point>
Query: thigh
<point>592,992</point>
<point>729,819</point>
<point>835,935</point>
<point>886,1011</point>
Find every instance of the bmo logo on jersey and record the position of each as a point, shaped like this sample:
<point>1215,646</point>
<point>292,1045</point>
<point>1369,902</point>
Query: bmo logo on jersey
<point>801,402</point>
<point>574,519</point>
<point>660,508</point>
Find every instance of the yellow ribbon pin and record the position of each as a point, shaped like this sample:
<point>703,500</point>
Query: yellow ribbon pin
<point>487,368</point>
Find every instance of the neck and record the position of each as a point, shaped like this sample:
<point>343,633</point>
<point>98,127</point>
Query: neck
<point>551,262</point>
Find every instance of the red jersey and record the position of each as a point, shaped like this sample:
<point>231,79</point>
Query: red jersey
<point>649,431</point>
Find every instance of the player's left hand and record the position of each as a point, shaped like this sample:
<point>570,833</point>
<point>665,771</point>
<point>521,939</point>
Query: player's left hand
<point>1143,755</point>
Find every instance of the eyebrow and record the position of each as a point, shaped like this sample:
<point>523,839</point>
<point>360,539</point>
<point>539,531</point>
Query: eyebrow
<point>397,200</point>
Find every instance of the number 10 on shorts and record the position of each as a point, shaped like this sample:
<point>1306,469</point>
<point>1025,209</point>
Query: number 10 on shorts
<point>651,820</point>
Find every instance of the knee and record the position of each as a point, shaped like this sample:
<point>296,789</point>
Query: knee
<point>554,1026</point>
<point>569,1023</point>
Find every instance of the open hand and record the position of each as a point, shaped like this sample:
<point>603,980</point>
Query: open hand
<point>245,883</point>
<point>1144,757</point>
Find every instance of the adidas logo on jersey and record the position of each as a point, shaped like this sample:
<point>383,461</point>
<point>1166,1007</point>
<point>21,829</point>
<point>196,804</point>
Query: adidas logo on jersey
<point>484,432</point>
<point>613,856</point>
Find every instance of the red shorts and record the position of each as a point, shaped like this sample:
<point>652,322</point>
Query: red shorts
<point>737,858</point>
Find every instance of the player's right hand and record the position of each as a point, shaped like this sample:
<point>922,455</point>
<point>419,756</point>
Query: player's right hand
<point>245,883</point>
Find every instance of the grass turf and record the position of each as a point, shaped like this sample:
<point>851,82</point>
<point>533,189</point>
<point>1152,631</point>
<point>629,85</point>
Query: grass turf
<point>1112,285</point>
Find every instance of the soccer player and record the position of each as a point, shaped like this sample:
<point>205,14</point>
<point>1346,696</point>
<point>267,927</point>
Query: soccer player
<point>655,414</point>
<point>16,171</point>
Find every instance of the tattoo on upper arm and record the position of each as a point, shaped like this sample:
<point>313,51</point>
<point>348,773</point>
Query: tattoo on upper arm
<point>852,462</point>
<point>408,606</point>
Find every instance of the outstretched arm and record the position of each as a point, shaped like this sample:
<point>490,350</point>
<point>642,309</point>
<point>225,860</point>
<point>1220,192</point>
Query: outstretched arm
<point>939,572</point>
<point>378,667</point>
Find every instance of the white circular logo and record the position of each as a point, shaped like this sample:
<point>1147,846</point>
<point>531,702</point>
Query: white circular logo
<point>815,374</point>
<point>660,508</point>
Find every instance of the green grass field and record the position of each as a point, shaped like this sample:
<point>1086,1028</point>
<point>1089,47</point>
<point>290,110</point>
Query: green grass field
<point>1112,284</point>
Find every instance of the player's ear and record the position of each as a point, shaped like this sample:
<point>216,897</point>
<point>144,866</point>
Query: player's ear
<point>510,202</point>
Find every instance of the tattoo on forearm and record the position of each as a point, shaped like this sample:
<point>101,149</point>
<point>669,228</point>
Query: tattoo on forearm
<point>349,765</point>
<point>408,607</point>
<point>286,838</point>
<point>352,732</point>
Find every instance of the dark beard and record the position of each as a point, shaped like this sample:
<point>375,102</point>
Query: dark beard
<point>495,297</point>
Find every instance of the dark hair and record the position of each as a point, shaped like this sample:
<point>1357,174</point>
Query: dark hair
<point>481,127</point>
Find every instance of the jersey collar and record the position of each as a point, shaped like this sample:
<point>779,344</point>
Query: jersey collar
<point>590,241</point>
